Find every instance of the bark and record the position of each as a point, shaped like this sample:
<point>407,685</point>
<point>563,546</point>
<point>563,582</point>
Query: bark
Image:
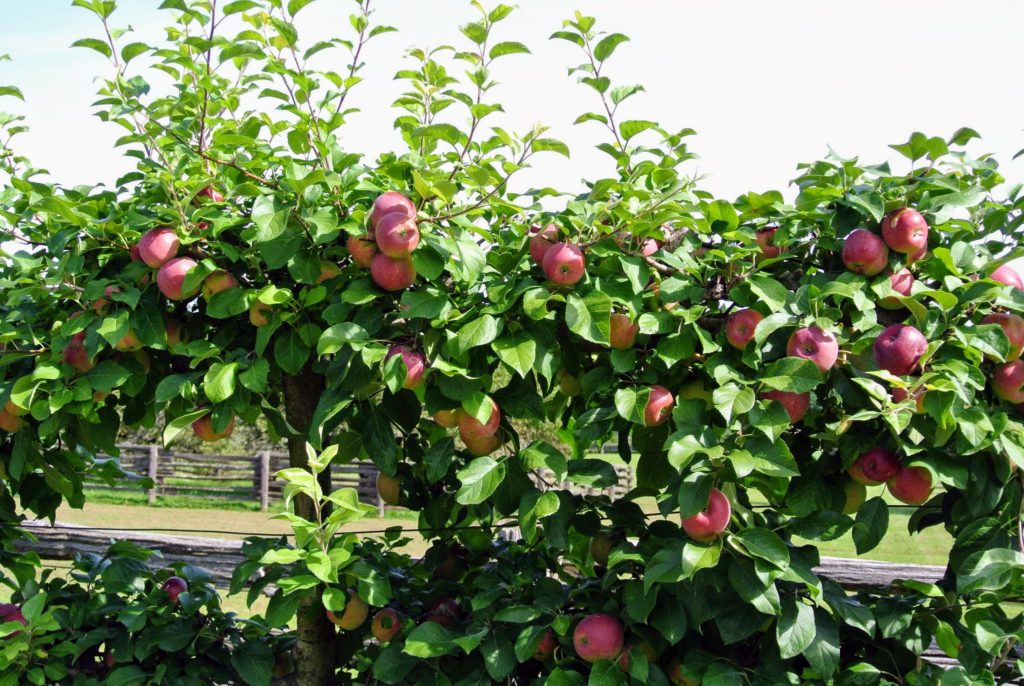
<point>315,658</point>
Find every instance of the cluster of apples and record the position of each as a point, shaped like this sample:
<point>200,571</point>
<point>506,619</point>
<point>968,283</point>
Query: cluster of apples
<point>387,622</point>
<point>908,484</point>
<point>386,250</point>
<point>481,438</point>
<point>563,263</point>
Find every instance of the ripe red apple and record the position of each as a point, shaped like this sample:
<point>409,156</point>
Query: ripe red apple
<point>739,329</point>
<point>629,243</point>
<point>203,428</point>
<point>258,313</point>
<point>901,394</point>
<point>362,249</point>
<point>355,613</point>
<point>392,274</point>
<point>766,241</point>
<point>796,404</point>
<point>9,422</point>
<point>546,646</point>
<point>598,637</point>
<point>1005,274</point>
<point>541,241</point>
<point>11,613</point>
<point>865,253</point>
<point>389,488</point>
<point>905,231</point>
<point>601,547</point>
<point>1013,327</point>
<point>216,282</point>
<point>445,612</point>
<point>129,343</point>
<point>387,624</point>
<point>815,344</point>
<point>623,332</point>
<point>481,445</point>
<point>397,235</point>
<point>901,282</point>
<point>912,485</point>
<point>170,279</point>
<point>564,264</point>
<point>709,523</point>
<point>133,252</point>
<point>101,305</point>
<point>856,494</point>
<point>415,364</point>
<point>659,406</point>
<point>568,384</point>
<point>75,355</point>
<point>174,587</point>
<point>211,193</point>
<point>918,255</point>
<point>328,271</point>
<point>449,419</point>
<point>391,202</point>
<point>158,245</point>
<point>875,466</point>
<point>1008,381</point>
<point>899,348</point>
<point>471,427</point>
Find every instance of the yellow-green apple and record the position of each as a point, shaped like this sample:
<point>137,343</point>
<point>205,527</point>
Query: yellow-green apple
<point>899,348</point>
<point>659,406</point>
<point>258,313</point>
<point>865,253</point>
<point>623,331</point>
<point>815,344</point>
<point>362,249</point>
<point>415,364</point>
<point>129,343</point>
<point>389,203</point>
<point>911,485</point>
<point>392,274</point>
<point>1007,275</point>
<point>397,235</point>
<point>449,419</point>
<point>210,193</point>
<point>101,304</point>
<point>216,282</point>
<point>170,279</point>
<point>1013,327</point>
<point>796,404</point>
<point>445,612</point>
<point>696,390</point>
<point>546,646</point>
<point>709,523</point>
<point>203,428</point>
<point>481,445</point>
<point>568,384</point>
<point>600,547</point>
<point>389,488</point>
<point>355,613</point>
<point>766,241</point>
<point>541,240</point>
<point>158,245</point>
<point>739,329</point>
<point>75,355</point>
<point>9,422</point>
<point>1008,381</point>
<point>902,282</point>
<point>856,493</point>
<point>328,271</point>
<point>905,231</point>
<point>387,624</point>
<point>598,637</point>
<point>680,674</point>
<point>174,587</point>
<point>875,466</point>
<point>564,264</point>
<point>470,426</point>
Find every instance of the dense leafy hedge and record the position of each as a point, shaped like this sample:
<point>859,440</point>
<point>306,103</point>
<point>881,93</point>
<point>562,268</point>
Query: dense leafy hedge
<point>773,343</point>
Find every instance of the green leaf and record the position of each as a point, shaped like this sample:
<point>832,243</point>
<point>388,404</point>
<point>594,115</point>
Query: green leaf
<point>604,49</point>
<point>589,317</point>
<point>129,675</point>
<point>549,145</point>
<point>480,331</point>
<point>765,544</point>
<point>518,351</point>
<point>507,48</point>
<point>871,525</point>
<point>795,628</point>
<point>989,570</point>
<point>335,338</point>
<point>290,352</point>
<point>823,653</point>
<point>179,424</point>
<point>219,382</point>
<point>429,639</point>
<point>479,479</point>
<point>93,44</point>
<point>106,376</point>
<point>633,127</point>
<point>732,400</point>
<point>254,661</point>
<point>771,292</point>
<point>792,374</point>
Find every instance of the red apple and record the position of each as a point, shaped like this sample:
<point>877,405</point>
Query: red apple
<point>1008,381</point>
<point>133,252</point>
<point>901,394</point>
<point>258,312</point>
<point>875,466</point>
<point>445,612</point>
<point>481,445</point>
<point>129,343</point>
<point>709,523</point>
<point>598,637</point>
<point>216,282</point>
<point>899,348</point>
<point>170,279</point>
<point>901,282</point>
<point>905,231</point>
<point>865,253</point>
<point>471,427</point>
<point>328,271</point>
<point>12,613</point>
<point>387,624</point>
<point>174,587</point>
<point>355,613</point>
<point>633,245</point>
<point>390,202</point>
<point>541,241</point>
<point>101,305</point>
<point>796,404</point>
<point>856,494</point>
<point>564,264</point>
<point>1005,274</point>
<point>449,419</point>
<point>623,332</point>
<point>211,193</point>
<point>659,406</point>
<point>1013,327</point>
<point>766,241</point>
<point>814,344</point>
<point>397,235</point>
<point>74,354</point>
<point>157,246</point>
<point>203,428</point>
<point>912,485</point>
<point>546,646</point>
<point>362,249</point>
<point>739,329</point>
<point>918,255</point>
<point>392,274</point>
<point>415,364</point>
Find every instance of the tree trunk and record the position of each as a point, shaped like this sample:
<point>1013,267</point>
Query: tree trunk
<point>315,659</point>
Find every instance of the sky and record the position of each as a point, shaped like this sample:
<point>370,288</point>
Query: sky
<point>766,85</point>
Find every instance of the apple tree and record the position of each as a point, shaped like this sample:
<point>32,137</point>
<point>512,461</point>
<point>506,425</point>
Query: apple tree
<point>778,373</point>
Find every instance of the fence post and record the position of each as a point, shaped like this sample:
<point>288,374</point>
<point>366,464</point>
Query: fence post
<point>264,480</point>
<point>154,456</point>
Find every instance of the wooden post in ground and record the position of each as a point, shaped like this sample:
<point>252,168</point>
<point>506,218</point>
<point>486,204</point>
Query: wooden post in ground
<point>264,476</point>
<point>154,457</point>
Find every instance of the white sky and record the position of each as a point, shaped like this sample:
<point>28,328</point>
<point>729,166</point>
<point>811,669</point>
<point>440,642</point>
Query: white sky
<point>765,84</point>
